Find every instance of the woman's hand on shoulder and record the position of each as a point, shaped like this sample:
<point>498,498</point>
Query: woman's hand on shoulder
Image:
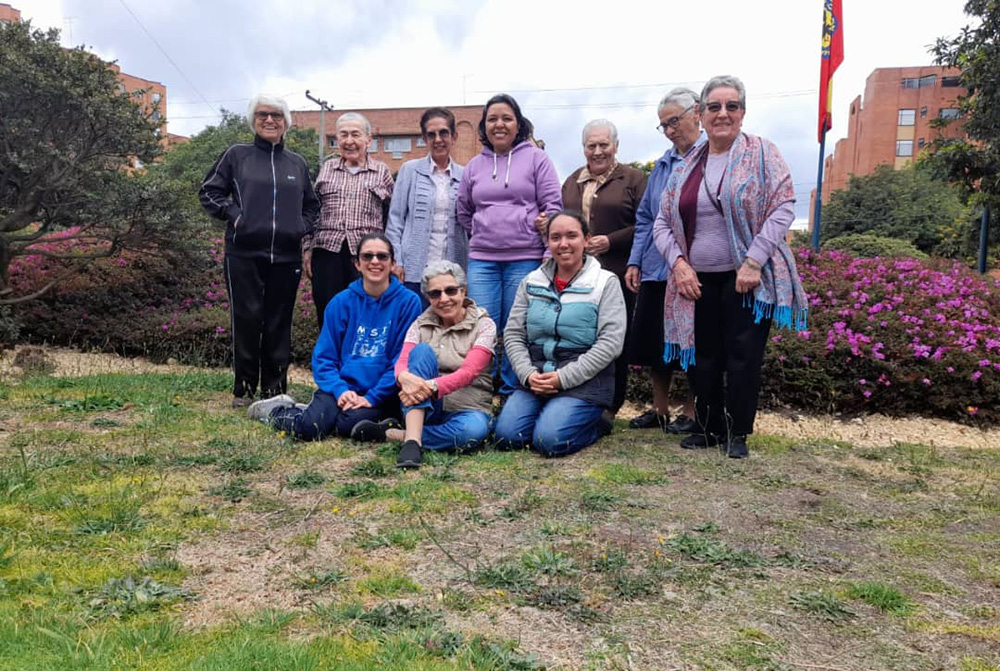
<point>686,279</point>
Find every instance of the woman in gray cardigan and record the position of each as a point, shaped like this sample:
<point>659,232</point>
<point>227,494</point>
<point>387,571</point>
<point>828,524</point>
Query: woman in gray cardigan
<point>422,226</point>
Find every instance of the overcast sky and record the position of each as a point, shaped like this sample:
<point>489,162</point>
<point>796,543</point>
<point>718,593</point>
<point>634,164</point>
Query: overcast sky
<point>566,62</point>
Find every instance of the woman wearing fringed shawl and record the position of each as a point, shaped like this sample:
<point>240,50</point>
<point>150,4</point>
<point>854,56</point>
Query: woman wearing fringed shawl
<point>721,228</point>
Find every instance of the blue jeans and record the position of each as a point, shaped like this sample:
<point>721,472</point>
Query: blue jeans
<point>443,429</point>
<point>322,418</point>
<point>554,426</point>
<point>493,285</point>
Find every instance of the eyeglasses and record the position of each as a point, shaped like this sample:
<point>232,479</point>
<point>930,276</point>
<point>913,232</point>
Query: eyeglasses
<point>368,257</point>
<point>435,294</point>
<point>731,106</point>
<point>444,134</point>
<point>263,116</point>
<point>673,121</point>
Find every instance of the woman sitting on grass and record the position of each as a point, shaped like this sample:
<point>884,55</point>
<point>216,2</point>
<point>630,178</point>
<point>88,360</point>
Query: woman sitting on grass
<point>353,360</point>
<point>565,330</point>
<point>443,371</point>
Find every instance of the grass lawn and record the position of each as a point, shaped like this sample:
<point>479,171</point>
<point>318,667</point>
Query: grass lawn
<point>144,525</point>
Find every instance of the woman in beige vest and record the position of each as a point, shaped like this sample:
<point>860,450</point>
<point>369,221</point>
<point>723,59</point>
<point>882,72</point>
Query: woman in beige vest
<point>443,371</point>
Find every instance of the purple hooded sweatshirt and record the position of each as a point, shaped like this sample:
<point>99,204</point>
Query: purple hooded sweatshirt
<point>499,198</point>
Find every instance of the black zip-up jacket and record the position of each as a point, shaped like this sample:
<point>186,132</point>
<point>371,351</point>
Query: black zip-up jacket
<point>264,194</point>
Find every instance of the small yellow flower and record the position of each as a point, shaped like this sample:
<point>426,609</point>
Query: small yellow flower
<point>351,513</point>
<point>500,592</point>
<point>657,553</point>
<point>281,434</point>
<point>335,510</point>
<point>661,540</point>
<point>313,579</point>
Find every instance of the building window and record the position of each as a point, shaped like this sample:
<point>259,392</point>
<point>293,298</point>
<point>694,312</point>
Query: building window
<point>923,112</point>
<point>904,147</point>
<point>950,113</point>
<point>398,145</point>
<point>156,116</point>
<point>909,83</point>
<point>121,88</point>
<point>156,98</point>
<point>921,143</point>
<point>906,117</point>
<point>420,142</point>
<point>331,141</point>
<point>373,147</point>
<point>951,82</point>
<point>928,80</point>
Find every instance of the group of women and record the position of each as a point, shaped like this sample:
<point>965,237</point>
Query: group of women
<point>415,281</point>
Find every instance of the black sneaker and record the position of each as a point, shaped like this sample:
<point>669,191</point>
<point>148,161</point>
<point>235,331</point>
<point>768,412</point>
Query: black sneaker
<point>738,448</point>
<point>649,420</point>
<point>410,455</point>
<point>367,431</point>
<point>700,441</point>
<point>682,424</point>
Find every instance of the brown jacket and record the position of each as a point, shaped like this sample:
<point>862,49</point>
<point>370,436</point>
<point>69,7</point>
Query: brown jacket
<point>612,213</point>
<point>452,344</point>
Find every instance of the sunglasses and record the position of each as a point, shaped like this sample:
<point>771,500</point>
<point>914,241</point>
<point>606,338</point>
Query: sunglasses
<point>368,257</point>
<point>731,106</point>
<point>435,294</point>
<point>263,116</point>
<point>444,134</point>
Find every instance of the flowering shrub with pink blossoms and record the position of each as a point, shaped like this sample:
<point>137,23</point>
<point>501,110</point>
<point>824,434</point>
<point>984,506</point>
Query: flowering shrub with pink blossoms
<point>897,336</point>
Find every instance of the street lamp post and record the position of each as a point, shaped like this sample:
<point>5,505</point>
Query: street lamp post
<point>323,109</point>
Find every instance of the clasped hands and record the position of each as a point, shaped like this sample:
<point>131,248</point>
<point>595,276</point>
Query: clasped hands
<point>413,389</point>
<point>545,384</point>
<point>688,286</point>
<point>350,400</point>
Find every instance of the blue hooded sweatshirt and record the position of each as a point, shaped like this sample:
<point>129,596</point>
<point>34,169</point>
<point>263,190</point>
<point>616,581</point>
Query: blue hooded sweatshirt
<point>361,340</point>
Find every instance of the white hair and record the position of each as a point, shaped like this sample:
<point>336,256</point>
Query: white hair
<point>724,80</point>
<point>682,97</point>
<point>600,123</point>
<point>354,116</point>
<point>269,100</point>
<point>442,267</point>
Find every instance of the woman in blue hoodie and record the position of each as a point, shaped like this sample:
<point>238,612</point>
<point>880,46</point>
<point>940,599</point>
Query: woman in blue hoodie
<point>504,199</point>
<point>352,363</point>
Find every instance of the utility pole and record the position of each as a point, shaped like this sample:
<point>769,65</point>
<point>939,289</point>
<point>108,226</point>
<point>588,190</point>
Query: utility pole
<point>323,109</point>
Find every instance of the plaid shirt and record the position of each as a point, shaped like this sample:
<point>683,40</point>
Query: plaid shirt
<point>353,206</point>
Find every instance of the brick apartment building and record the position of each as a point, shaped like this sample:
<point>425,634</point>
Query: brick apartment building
<point>152,96</point>
<point>396,132</point>
<point>893,124</point>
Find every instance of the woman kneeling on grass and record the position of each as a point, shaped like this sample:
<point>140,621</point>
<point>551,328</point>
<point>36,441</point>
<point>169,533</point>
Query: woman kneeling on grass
<point>564,332</point>
<point>443,371</point>
<point>353,360</point>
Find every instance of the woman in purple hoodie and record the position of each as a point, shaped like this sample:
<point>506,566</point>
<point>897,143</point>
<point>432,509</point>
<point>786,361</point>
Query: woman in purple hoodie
<point>504,199</point>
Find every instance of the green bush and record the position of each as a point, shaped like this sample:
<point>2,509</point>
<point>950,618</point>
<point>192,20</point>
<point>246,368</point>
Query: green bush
<point>869,246</point>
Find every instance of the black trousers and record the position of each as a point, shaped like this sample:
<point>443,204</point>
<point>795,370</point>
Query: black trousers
<point>261,300</point>
<point>331,273</point>
<point>625,358</point>
<point>729,351</point>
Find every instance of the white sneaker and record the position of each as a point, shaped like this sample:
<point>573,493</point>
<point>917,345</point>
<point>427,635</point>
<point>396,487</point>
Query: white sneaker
<point>302,406</point>
<point>261,410</point>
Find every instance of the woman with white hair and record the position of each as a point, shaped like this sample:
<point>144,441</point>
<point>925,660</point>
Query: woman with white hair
<point>608,194</point>
<point>443,371</point>
<point>264,193</point>
<point>354,190</point>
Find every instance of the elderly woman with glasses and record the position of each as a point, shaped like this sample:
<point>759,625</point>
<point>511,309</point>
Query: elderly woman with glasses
<point>422,223</point>
<point>722,231</point>
<point>443,371</point>
<point>354,190</point>
<point>646,274</point>
<point>264,194</point>
<point>608,194</point>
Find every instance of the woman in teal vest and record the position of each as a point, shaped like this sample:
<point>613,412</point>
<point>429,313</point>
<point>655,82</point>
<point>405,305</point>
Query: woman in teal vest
<point>564,332</point>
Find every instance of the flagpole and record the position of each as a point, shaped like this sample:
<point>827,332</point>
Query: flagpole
<point>818,206</point>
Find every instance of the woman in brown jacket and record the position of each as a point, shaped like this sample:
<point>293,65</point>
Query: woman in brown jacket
<point>608,194</point>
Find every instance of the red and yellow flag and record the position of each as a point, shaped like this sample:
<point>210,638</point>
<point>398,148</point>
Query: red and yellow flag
<point>832,57</point>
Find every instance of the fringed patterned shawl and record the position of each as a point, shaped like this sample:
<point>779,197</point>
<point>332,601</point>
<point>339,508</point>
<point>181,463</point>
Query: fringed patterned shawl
<point>756,183</point>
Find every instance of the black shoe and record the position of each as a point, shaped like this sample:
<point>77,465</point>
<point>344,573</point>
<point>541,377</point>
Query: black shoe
<point>683,424</point>
<point>649,420</point>
<point>605,424</point>
<point>700,441</point>
<point>738,448</point>
<point>367,431</point>
<point>410,455</point>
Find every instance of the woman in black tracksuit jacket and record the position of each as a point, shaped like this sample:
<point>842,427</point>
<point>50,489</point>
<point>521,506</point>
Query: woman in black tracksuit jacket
<point>264,194</point>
